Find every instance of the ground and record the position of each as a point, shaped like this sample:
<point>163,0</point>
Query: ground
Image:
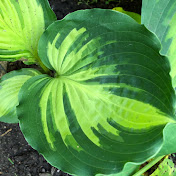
<point>17,158</point>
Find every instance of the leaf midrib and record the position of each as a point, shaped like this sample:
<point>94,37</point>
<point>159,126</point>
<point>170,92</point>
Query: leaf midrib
<point>98,94</point>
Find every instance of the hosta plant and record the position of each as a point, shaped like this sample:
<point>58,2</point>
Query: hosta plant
<point>104,100</point>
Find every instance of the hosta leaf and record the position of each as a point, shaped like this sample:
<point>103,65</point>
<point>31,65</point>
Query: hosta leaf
<point>109,100</point>
<point>10,85</point>
<point>133,15</point>
<point>159,16</point>
<point>22,23</point>
<point>169,138</point>
<point>128,170</point>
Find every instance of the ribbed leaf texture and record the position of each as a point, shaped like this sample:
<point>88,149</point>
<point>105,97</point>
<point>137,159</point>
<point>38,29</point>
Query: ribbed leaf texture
<point>159,16</point>
<point>109,100</point>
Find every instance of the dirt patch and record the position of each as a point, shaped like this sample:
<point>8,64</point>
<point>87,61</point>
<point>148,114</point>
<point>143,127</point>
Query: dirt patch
<point>129,5</point>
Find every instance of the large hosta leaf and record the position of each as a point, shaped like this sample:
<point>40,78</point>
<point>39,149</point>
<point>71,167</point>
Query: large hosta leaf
<point>159,16</point>
<point>10,85</point>
<point>109,100</point>
<point>22,23</point>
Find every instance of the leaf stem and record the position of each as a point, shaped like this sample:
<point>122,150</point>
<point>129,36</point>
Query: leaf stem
<point>148,166</point>
<point>44,68</point>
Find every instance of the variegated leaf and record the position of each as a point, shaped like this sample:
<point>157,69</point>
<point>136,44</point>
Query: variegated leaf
<point>22,23</point>
<point>110,97</point>
<point>10,85</point>
<point>159,16</point>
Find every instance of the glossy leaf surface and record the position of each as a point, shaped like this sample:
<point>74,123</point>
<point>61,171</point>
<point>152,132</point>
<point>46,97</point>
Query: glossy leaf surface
<point>22,23</point>
<point>109,100</point>
<point>10,85</point>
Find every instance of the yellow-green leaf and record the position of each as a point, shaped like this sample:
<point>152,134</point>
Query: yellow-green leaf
<point>165,168</point>
<point>133,15</point>
<point>10,85</point>
<point>22,23</point>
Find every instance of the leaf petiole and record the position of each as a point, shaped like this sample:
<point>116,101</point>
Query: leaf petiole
<point>44,68</point>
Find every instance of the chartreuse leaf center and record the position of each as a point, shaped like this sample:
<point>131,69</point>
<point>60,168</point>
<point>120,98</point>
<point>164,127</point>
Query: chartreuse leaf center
<point>109,100</point>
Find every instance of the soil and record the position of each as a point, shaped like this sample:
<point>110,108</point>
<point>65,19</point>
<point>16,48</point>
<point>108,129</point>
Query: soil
<point>17,158</point>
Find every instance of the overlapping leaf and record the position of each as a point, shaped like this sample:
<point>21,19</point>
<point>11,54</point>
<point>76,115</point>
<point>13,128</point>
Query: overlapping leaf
<point>159,16</point>
<point>110,97</point>
<point>10,85</point>
<point>22,23</point>
<point>133,15</point>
